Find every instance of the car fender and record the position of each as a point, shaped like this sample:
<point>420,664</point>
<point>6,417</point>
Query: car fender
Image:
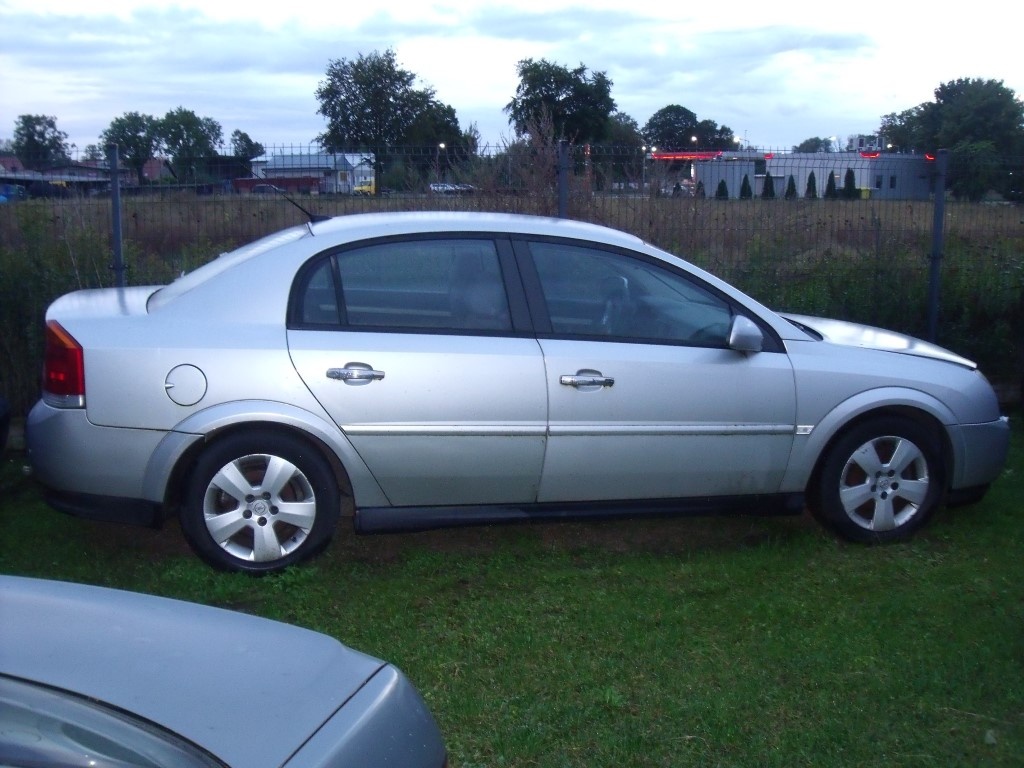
<point>204,424</point>
<point>812,439</point>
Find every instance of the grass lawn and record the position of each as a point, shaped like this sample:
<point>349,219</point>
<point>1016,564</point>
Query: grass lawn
<point>706,642</point>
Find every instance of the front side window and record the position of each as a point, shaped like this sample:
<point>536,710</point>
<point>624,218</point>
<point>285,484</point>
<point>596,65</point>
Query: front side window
<point>440,285</point>
<point>597,293</point>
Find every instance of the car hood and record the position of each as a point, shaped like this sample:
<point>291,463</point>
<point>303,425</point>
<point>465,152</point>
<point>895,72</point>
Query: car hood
<point>198,671</point>
<point>865,336</point>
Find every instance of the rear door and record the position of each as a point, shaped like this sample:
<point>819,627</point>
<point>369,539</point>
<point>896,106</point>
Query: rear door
<point>420,351</point>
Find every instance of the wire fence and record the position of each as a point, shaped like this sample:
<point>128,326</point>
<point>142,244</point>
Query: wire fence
<point>850,235</point>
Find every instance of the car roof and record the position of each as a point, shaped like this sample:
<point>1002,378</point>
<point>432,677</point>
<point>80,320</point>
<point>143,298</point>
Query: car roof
<point>367,225</point>
<point>212,676</point>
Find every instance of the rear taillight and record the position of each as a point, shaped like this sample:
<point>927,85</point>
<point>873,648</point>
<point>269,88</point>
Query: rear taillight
<point>63,369</point>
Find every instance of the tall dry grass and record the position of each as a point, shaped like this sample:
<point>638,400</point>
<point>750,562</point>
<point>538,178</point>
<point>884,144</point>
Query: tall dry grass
<point>864,260</point>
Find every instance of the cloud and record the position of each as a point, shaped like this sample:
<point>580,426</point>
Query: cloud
<point>810,70</point>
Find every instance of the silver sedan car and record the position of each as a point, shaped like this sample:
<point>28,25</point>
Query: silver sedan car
<point>99,677</point>
<point>437,369</point>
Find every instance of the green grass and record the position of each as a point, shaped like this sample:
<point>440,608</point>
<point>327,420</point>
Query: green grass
<point>706,642</point>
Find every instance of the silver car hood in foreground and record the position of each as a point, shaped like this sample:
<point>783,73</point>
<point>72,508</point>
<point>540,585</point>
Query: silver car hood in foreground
<point>868,337</point>
<point>249,690</point>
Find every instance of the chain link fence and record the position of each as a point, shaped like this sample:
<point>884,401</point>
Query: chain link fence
<point>851,235</point>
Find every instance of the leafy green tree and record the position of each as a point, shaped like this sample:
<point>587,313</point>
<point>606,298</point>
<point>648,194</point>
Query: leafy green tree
<point>746,193</point>
<point>243,147</point>
<point>850,191</point>
<point>38,143</point>
<point>676,127</point>
<point>371,104</point>
<point>722,193</point>
<point>191,141</point>
<point>137,137</point>
<point>815,144</point>
<point>93,152</point>
<point>970,117</point>
<point>623,131</point>
<point>577,102</point>
<point>973,167</point>
<point>768,190</point>
<point>435,127</point>
<point>710,135</point>
<point>671,127</point>
<point>811,192</point>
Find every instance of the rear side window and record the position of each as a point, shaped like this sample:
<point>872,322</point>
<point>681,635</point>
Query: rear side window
<point>431,285</point>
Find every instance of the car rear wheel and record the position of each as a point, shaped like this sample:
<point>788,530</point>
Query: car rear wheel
<point>259,502</point>
<point>881,481</point>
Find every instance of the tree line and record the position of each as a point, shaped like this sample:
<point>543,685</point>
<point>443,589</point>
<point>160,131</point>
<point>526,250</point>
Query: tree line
<point>372,104</point>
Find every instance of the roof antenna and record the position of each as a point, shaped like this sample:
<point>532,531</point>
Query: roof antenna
<point>313,217</point>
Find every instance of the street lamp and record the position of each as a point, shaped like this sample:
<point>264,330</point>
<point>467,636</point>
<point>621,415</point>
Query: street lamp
<point>643,166</point>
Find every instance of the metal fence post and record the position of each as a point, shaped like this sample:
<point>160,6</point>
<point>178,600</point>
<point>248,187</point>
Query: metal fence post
<point>115,217</point>
<point>563,179</point>
<point>938,241</point>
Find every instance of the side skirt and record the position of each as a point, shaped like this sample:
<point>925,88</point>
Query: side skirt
<point>409,519</point>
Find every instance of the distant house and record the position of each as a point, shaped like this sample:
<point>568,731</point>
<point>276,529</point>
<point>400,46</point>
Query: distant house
<point>316,173</point>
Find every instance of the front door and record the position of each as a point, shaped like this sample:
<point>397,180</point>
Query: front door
<point>646,400</point>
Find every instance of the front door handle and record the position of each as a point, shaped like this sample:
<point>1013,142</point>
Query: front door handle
<point>586,379</point>
<point>355,374</point>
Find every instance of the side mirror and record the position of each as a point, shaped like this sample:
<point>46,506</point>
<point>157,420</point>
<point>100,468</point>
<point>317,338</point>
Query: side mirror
<point>745,336</point>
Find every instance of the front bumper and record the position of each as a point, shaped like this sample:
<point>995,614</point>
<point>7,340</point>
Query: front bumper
<point>981,451</point>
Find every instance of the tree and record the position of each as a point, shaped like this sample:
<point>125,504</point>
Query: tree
<point>970,117</point>
<point>973,110</point>
<point>790,193</point>
<point>38,143</point>
<point>850,191</point>
<point>191,141</point>
<point>577,102</point>
<point>623,131</point>
<point>671,127</point>
<point>372,104</point>
<point>722,193</point>
<point>768,190</point>
<point>137,137</point>
<point>811,192</point>
<point>243,147</point>
<point>746,193</point>
<point>831,193</point>
<point>815,144</point>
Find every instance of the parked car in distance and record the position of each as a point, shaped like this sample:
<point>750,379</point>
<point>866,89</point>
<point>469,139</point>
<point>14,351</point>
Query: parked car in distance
<point>369,189</point>
<point>267,189</point>
<point>101,677</point>
<point>437,369</point>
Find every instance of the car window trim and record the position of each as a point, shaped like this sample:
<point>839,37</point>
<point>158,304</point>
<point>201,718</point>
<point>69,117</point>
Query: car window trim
<point>519,312</point>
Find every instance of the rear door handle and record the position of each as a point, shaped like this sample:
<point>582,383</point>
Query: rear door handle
<point>355,374</point>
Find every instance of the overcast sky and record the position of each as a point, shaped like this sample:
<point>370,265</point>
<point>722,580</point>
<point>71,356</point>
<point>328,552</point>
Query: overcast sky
<point>775,74</point>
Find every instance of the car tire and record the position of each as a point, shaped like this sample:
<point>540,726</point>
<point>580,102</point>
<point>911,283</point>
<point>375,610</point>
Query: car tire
<point>260,501</point>
<point>881,481</point>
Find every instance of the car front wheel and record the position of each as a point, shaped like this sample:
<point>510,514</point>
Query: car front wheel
<point>259,502</point>
<point>881,481</point>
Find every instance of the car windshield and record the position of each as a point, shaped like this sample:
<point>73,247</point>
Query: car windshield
<point>225,261</point>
